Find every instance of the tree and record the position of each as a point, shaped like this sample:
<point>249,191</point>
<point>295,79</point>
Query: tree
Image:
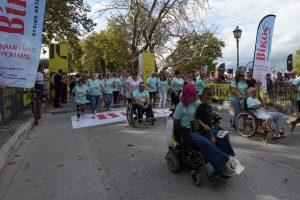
<point>107,49</point>
<point>66,20</point>
<point>196,50</point>
<point>151,24</point>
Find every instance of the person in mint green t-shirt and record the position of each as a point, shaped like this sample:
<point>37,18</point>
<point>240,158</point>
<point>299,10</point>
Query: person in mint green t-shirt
<point>238,87</point>
<point>80,91</point>
<point>142,102</point>
<point>117,85</point>
<point>108,85</point>
<point>200,84</point>
<point>176,87</point>
<point>163,89</point>
<point>95,92</point>
<point>185,130</point>
<point>295,86</point>
<point>152,88</point>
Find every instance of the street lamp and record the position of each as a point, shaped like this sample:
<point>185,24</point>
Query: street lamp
<point>237,33</point>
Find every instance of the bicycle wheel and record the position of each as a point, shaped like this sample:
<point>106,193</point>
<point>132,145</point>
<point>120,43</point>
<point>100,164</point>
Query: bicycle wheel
<point>246,124</point>
<point>35,112</point>
<point>39,109</point>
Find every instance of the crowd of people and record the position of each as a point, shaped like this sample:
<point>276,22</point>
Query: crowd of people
<point>103,91</point>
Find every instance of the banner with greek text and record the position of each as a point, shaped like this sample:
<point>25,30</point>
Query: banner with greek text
<point>262,50</point>
<point>21,24</point>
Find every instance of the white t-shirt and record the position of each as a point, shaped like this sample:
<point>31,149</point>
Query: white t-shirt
<point>133,85</point>
<point>40,78</point>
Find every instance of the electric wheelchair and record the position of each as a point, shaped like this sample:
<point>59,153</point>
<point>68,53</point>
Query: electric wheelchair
<point>247,124</point>
<point>132,117</point>
<point>181,155</point>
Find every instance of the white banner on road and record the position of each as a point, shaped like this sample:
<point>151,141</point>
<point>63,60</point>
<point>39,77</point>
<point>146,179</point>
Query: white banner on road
<point>21,24</point>
<point>262,52</point>
<point>110,117</point>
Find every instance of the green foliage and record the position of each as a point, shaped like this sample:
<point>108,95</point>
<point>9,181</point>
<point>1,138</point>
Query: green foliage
<point>297,60</point>
<point>196,50</point>
<point>66,20</point>
<point>107,49</point>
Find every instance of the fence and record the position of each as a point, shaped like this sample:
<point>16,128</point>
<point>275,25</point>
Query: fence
<point>12,102</point>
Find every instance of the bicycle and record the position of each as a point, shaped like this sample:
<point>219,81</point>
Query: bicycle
<point>36,105</point>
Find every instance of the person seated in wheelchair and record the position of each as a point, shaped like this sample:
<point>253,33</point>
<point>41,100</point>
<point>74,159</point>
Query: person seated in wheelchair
<point>141,102</point>
<point>221,155</point>
<point>208,121</point>
<point>257,108</point>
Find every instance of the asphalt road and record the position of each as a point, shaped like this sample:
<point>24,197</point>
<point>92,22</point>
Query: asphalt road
<point>118,162</point>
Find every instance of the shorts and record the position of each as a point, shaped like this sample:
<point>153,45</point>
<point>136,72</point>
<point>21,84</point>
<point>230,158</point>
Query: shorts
<point>152,94</point>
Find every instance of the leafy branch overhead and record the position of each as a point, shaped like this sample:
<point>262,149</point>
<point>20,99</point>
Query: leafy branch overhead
<point>66,20</point>
<point>152,24</point>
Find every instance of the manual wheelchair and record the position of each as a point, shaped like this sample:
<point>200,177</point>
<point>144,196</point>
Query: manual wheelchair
<point>181,155</point>
<point>132,117</point>
<point>247,124</point>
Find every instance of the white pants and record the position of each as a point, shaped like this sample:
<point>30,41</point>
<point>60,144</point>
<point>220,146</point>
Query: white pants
<point>275,118</point>
<point>162,99</point>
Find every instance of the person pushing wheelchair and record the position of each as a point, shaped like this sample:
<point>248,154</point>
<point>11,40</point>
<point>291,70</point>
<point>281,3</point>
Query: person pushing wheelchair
<point>220,155</point>
<point>141,101</point>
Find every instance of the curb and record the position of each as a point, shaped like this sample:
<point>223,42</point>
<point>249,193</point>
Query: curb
<point>14,141</point>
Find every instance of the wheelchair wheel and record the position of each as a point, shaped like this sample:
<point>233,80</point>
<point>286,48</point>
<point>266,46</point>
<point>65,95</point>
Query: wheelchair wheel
<point>129,115</point>
<point>196,177</point>
<point>246,124</point>
<point>173,162</point>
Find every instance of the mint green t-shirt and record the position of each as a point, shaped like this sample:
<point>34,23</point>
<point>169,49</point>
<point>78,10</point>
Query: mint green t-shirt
<point>241,87</point>
<point>141,95</point>
<point>117,84</point>
<point>152,81</point>
<point>109,85</point>
<point>252,102</point>
<point>177,83</point>
<point>185,114</point>
<point>80,94</point>
<point>296,82</point>
<point>200,86</point>
<point>94,86</point>
<point>162,86</point>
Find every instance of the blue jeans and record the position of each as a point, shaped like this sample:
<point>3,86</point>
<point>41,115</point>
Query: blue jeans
<point>222,143</point>
<point>94,102</point>
<point>212,153</point>
<point>108,99</point>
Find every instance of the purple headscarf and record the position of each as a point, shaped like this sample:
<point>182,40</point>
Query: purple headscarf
<point>188,93</point>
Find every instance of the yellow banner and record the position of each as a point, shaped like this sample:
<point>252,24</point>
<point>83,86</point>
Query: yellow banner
<point>149,65</point>
<point>220,90</point>
<point>58,57</point>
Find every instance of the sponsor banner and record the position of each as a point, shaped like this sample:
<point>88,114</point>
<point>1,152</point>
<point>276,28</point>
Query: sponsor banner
<point>289,63</point>
<point>58,57</point>
<point>220,90</point>
<point>148,65</point>
<point>110,117</point>
<point>21,24</point>
<point>262,50</point>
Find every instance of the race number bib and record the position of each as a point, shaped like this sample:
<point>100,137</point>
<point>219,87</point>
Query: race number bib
<point>222,134</point>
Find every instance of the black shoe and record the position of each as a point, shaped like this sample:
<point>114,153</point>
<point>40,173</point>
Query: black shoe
<point>140,121</point>
<point>59,106</point>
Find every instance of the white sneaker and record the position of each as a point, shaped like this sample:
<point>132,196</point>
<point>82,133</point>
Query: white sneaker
<point>237,166</point>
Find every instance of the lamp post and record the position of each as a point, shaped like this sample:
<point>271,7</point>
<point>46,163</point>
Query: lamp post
<point>237,33</point>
